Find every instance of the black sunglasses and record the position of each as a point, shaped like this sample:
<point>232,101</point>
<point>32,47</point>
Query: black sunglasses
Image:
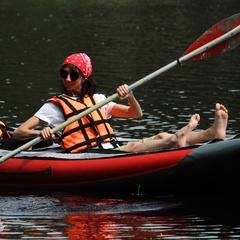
<point>73,75</point>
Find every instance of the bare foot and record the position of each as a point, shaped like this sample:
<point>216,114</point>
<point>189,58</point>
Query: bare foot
<point>181,135</point>
<point>218,129</point>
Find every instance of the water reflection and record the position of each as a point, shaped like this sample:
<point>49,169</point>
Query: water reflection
<point>74,216</point>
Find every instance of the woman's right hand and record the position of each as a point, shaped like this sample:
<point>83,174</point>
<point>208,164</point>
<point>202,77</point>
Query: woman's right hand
<point>46,133</point>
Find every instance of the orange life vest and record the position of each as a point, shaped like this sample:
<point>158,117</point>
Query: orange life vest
<point>4,131</point>
<point>89,131</point>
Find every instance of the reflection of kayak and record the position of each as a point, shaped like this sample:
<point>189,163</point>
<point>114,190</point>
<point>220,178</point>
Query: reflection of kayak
<point>213,164</point>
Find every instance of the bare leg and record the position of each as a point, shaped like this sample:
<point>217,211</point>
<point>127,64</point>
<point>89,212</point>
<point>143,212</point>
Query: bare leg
<point>217,130</point>
<point>170,141</point>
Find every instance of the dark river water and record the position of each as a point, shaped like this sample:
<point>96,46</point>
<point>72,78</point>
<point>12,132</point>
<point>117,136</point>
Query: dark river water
<point>126,40</point>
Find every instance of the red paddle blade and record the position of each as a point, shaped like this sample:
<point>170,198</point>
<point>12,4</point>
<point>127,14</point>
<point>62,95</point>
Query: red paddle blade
<point>213,33</point>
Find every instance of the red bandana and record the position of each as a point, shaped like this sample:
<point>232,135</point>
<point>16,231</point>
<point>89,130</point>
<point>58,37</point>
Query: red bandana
<point>82,62</point>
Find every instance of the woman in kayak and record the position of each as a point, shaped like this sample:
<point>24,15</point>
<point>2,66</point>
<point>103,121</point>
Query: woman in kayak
<point>94,130</point>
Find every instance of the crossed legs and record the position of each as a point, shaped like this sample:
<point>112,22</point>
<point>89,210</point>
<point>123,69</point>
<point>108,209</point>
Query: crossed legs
<point>185,134</point>
<point>169,141</point>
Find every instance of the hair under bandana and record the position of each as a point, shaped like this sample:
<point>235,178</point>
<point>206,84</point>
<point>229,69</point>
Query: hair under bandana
<point>82,61</point>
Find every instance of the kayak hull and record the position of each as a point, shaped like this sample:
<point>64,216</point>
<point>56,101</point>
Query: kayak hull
<point>194,167</point>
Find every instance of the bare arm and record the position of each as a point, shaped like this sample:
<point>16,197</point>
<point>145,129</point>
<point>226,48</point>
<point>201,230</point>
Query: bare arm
<point>132,111</point>
<point>27,130</point>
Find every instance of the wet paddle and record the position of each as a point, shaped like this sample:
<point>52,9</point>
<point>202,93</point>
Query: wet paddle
<point>220,38</point>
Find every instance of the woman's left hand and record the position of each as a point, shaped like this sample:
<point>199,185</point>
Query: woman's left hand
<point>123,92</point>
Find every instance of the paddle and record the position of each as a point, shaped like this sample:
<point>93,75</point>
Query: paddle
<point>214,32</point>
<point>222,37</point>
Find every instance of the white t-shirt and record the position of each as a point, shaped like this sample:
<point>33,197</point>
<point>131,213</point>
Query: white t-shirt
<point>52,114</point>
